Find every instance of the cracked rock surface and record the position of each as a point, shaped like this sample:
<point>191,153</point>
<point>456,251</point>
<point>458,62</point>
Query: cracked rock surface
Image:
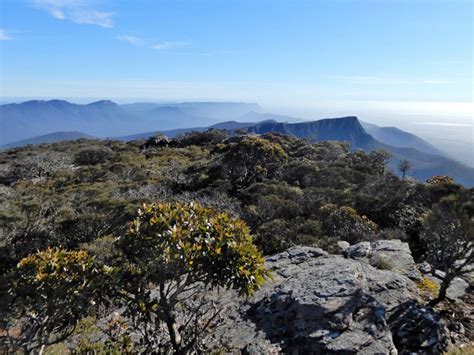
<point>319,303</point>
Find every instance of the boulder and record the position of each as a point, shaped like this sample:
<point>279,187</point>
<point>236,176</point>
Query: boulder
<point>156,142</point>
<point>425,267</point>
<point>359,250</point>
<point>392,255</point>
<point>343,245</point>
<point>418,330</point>
<point>316,303</point>
<point>457,289</point>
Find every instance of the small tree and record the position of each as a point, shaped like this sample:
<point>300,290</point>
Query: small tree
<point>449,239</point>
<point>50,292</point>
<point>181,250</point>
<point>404,166</point>
<point>251,159</point>
<point>343,223</point>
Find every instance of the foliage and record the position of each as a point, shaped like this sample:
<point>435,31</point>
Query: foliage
<point>440,180</point>
<point>194,241</point>
<point>343,223</point>
<point>52,290</point>
<point>428,286</point>
<point>449,238</point>
<point>93,156</point>
<point>180,247</point>
<point>210,137</point>
<point>465,350</point>
<point>251,160</point>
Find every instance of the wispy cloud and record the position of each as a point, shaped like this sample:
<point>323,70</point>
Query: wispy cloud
<point>78,11</point>
<point>447,124</point>
<point>436,82</point>
<point>168,45</point>
<point>163,45</point>
<point>136,41</point>
<point>353,78</point>
<point>4,36</point>
<point>384,80</point>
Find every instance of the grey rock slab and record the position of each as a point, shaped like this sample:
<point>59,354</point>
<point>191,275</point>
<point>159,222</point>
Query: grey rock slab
<point>319,303</point>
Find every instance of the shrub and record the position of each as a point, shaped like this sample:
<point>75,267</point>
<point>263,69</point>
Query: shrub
<point>448,237</point>
<point>428,286</point>
<point>251,160</point>
<point>93,156</point>
<point>51,291</point>
<point>178,247</point>
<point>343,223</point>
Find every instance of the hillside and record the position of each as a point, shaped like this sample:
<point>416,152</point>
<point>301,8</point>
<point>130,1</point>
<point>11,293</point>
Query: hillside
<point>398,138</point>
<point>302,202</point>
<point>48,138</point>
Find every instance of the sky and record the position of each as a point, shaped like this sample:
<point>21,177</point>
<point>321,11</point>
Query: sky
<point>405,57</point>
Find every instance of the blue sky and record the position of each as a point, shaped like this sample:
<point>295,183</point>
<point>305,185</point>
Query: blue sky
<point>344,55</point>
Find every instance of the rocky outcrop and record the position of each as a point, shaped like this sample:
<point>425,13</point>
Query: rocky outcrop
<point>391,255</point>
<point>320,303</point>
<point>156,142</point>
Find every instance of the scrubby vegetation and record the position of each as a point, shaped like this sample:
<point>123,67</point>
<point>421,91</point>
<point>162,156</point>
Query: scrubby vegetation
<point>64,201</point>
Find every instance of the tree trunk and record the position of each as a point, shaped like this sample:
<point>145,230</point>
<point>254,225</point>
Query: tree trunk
<point>173,331</point>
<point>442,291</point>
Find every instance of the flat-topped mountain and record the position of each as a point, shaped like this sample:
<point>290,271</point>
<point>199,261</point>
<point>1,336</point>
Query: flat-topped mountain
<point>346,129</point>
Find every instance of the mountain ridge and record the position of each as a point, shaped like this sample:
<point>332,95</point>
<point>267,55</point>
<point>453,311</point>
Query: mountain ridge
<point>112,120</point>
<point>105,118</point>
<point>399,138</point>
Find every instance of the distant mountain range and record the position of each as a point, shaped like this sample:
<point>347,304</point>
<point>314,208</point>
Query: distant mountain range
<point>398,138</point>
<point>106,119</point>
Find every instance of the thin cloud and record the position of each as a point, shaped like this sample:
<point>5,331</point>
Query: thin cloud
<point>77,11</point>
<point>139,41</point>
<point>436,82</point>
<point>354,78</point>
<point>168,45</point>
<point>4,36</point>
<point>384,80</point>
<point>447,124</point>
<point>136,41</point>
<point>92,17</point>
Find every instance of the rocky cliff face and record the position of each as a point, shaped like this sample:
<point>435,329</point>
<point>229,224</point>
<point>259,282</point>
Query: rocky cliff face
<point>346,129</point>
<point>366,302</point>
